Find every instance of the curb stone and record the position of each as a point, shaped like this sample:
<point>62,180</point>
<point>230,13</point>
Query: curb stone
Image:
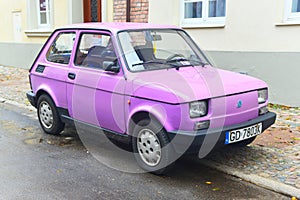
<point>255,179</point>
<point>20,105</point>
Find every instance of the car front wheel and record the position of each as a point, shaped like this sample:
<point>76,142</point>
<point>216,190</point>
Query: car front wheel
<point>151,147</point>
<point>48,116</point>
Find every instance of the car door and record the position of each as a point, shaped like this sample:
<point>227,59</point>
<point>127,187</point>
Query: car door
<point>50,70</point>
<point>96,96</point>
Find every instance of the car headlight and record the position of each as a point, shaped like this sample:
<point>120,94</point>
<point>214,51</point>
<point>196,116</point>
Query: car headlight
<point>262,95</point>
<point>198,109</point>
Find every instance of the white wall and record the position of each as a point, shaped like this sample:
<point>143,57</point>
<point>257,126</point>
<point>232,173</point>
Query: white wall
<point>255,40</point>
<point>250,26</point>
<point>19,55</point>
<point>75,11</point>
<point>164,12</point>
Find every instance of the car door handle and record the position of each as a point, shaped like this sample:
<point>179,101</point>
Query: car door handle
<point>71,76</point>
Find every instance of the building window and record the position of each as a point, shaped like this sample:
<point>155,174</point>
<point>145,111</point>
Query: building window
<point>193,9</point>
<point>39,18</point>
<point>292,10</point>
<point>43,13</point>
<point>295,6</point>
<point>199,12</point>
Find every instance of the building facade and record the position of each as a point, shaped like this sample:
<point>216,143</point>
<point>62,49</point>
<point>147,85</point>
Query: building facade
<point>260,38</point>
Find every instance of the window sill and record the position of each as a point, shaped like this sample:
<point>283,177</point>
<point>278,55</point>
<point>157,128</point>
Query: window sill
<point>38,32</point>
<point>208,25</point>
<point>288,23</point>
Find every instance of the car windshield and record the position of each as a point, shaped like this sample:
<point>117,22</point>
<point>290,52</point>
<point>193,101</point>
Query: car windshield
<point>157,49</point>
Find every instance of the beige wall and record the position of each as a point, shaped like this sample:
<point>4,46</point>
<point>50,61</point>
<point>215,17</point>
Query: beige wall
<point>65,12</point>
<point>61,13</point>
<point>6,16</point>
<point>164,11</point>
<point>250,26</point>
<point>109,10</point>
<point>255,40</point>
<point>251,41</point>
<point>60,18</point>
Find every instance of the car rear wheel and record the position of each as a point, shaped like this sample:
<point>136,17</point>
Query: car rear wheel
<point>151,147</point>
<point>48,116</point>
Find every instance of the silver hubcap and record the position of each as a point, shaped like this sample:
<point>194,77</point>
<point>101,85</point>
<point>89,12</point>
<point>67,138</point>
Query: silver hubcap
<point>46,115</point>
<point>149,147</point>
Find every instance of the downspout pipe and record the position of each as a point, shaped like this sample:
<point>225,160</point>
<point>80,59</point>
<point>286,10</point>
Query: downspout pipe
<point>128,7</point>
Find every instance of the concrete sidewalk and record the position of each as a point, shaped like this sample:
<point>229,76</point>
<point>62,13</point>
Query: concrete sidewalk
<point>272,161</point>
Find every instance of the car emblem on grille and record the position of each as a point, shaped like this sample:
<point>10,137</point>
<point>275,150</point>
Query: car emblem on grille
<point>239,104</point>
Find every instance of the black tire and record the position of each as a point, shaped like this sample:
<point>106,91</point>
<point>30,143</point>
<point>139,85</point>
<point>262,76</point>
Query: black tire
<point>166,151</point>
<point>48,116</point>
<point>244,142</point>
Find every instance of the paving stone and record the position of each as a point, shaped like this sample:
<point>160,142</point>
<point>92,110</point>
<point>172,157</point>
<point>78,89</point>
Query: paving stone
<point>282,179</point>
<point>279,168</point>
<point>290,181</point>
<point>297,184</point>
<point>265,175</point>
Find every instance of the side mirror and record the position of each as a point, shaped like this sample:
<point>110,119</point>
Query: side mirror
<point>110,66</point>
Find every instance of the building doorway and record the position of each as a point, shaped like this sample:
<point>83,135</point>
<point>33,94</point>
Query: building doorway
<point>92,10</point>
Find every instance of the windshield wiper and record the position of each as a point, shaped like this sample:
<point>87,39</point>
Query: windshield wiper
<point>186,63</point>
<point>173,62</point>
<point>153,62</point>
<point>195,62</point>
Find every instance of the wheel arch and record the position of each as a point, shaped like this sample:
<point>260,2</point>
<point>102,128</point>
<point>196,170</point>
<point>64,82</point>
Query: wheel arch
<point>147,113</point>
<point>42,91</point>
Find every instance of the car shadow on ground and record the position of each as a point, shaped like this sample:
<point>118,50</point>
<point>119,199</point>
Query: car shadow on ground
<point>111,151</point>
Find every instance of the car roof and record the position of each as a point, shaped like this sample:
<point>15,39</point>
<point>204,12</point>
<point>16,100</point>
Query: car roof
<point>115,27</point>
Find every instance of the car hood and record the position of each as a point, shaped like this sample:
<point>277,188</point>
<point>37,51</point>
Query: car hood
<point>190,84</point>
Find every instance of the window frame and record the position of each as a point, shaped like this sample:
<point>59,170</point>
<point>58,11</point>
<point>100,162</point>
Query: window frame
<point>77,49</point>
<point>205,20</point>
<point>289,15</point>
<point>34,29</point>
<point>183,33</point>
<point>57,36</point>
<point>47,12</point>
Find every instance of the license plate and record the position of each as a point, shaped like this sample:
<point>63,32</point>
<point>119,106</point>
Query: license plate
<point>243,133</point>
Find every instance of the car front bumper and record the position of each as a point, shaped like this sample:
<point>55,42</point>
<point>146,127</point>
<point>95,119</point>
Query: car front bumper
<point>208,139</point>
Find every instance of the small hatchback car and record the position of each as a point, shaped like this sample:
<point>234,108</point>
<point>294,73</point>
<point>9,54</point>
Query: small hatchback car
<point>149,85</point>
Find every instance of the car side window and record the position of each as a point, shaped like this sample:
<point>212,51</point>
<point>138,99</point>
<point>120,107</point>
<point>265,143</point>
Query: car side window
<point>95,50</point>
<point>61,49</point>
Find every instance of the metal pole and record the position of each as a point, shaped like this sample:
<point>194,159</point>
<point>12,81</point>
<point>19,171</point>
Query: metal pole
<point>128,10</point>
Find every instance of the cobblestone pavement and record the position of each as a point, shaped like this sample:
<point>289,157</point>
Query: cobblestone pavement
<point>14,84</point>
<point>275,154</point>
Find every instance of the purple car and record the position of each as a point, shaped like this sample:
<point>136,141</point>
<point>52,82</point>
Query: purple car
<point>148,85</point>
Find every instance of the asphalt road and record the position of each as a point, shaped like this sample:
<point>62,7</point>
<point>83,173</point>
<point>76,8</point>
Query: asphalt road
<point>34,165</point>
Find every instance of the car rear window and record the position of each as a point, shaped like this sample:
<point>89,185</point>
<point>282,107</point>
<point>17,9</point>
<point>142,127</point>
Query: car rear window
<point>61,49</point>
